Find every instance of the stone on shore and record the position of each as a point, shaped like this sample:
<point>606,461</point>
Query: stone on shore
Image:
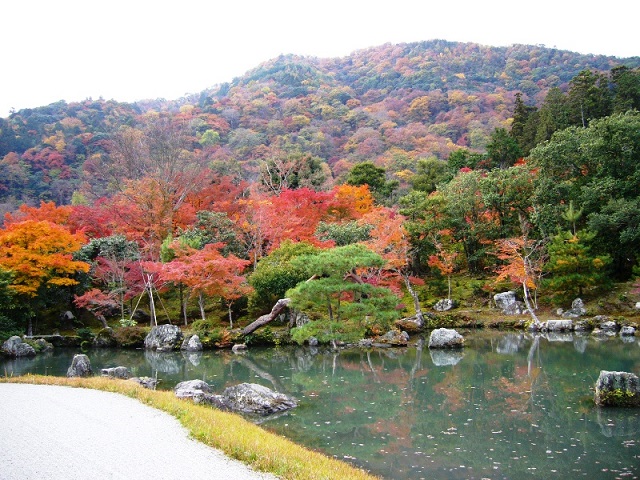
<point>446,338</point>
<point>506,301</point>
<point>444,305</point>
<point>80,366</point>
<point>617,389</point>
<point>410,324</point>
<point>116,372</point>
<point>146,382</point>
<point>256,399</point>
<point>394,337</point>
<point>577,309</point>
<point>15,347</point>
<point>248,398</point>
<point>163,338</point>
<point>191,388</point>
<point>558,325</point>
<point>192,343</point>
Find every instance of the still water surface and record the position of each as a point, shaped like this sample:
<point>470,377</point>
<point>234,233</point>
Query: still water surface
<point>510,405</point>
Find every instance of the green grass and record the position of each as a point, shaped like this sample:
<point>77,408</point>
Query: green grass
<point>230,433</point>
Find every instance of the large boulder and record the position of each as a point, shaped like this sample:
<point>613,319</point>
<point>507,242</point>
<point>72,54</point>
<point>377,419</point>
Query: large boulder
<point>506,301</point>
<point>116,372</point>
<point>256,399</point>
<point>558,325</point>
<point>394,337</point>
<point>163,338</point>
<point>191,389</point>
<point>192,343</point>
<point>80,366</point>
<point>248,398</point>
<point>445,338</point>
<point>413,324</point>
<point>444,305</point>
<point>577,309</point>
<point>617,389</point>
<point>15,347</point>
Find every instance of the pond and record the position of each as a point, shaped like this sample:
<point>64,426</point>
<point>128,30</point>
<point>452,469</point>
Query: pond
<point>510,405</point>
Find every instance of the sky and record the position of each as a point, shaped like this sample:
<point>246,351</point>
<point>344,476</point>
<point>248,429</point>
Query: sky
<point>139,49</point>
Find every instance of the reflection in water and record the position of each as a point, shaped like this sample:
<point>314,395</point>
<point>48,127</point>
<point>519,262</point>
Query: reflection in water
<point>511,405</point>
<point>443,358</point>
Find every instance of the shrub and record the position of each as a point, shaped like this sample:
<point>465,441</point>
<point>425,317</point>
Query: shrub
<point>131,337</point>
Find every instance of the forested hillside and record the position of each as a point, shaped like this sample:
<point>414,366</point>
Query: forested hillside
<point>357,187</point>
<point>391,105</point>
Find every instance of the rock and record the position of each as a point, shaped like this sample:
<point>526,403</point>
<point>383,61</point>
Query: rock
<point>637,305</point>
<point>627,331</point>
<point>445,358</point>
<point>105,339</point>
<point>43,345</point>
<point>312,341</point>
<point>146,382</point>
<point>192,343</point>
<point>577,309</point>
<point>445,338</point>
<point>191,388</point>
<point>80,366</point>
<point>506,301</point>
<point>582,326</point>
<point>393,337</point>
<point>617,389</point>
<point>256,399</point>
<point>365,343</point>
<point>610,326</point>
<point>15,347</point>
<point>163,338</point>
<point>116,372</point>
<point>410,324</point>
<point>558,325</point>
<point>444,305</point>
<point>239,348</point>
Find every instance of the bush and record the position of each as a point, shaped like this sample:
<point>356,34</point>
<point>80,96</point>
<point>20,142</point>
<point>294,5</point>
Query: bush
<point>130,337</point>
<point>85,334</point>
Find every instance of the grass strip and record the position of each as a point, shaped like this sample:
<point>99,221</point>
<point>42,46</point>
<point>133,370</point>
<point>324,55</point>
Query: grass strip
<point>230,433</point>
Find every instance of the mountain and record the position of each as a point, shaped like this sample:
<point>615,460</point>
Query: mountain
<point>392,104</point>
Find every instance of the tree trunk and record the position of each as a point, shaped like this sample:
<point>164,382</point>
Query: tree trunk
<point>230,315</point>
<point>528,304</point>
<point>201,305</point>
<point>414,296</point>
<point>269,317</point>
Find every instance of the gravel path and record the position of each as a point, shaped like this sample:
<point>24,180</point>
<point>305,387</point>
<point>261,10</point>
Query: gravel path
<point>68,433</point>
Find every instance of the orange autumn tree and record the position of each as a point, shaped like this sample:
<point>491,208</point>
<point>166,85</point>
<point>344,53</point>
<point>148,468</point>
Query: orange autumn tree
<point>389,239</point>
<point>39,256</point>
<point>445,256</point>
<point>208,273</point>
<point>522,265</point>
